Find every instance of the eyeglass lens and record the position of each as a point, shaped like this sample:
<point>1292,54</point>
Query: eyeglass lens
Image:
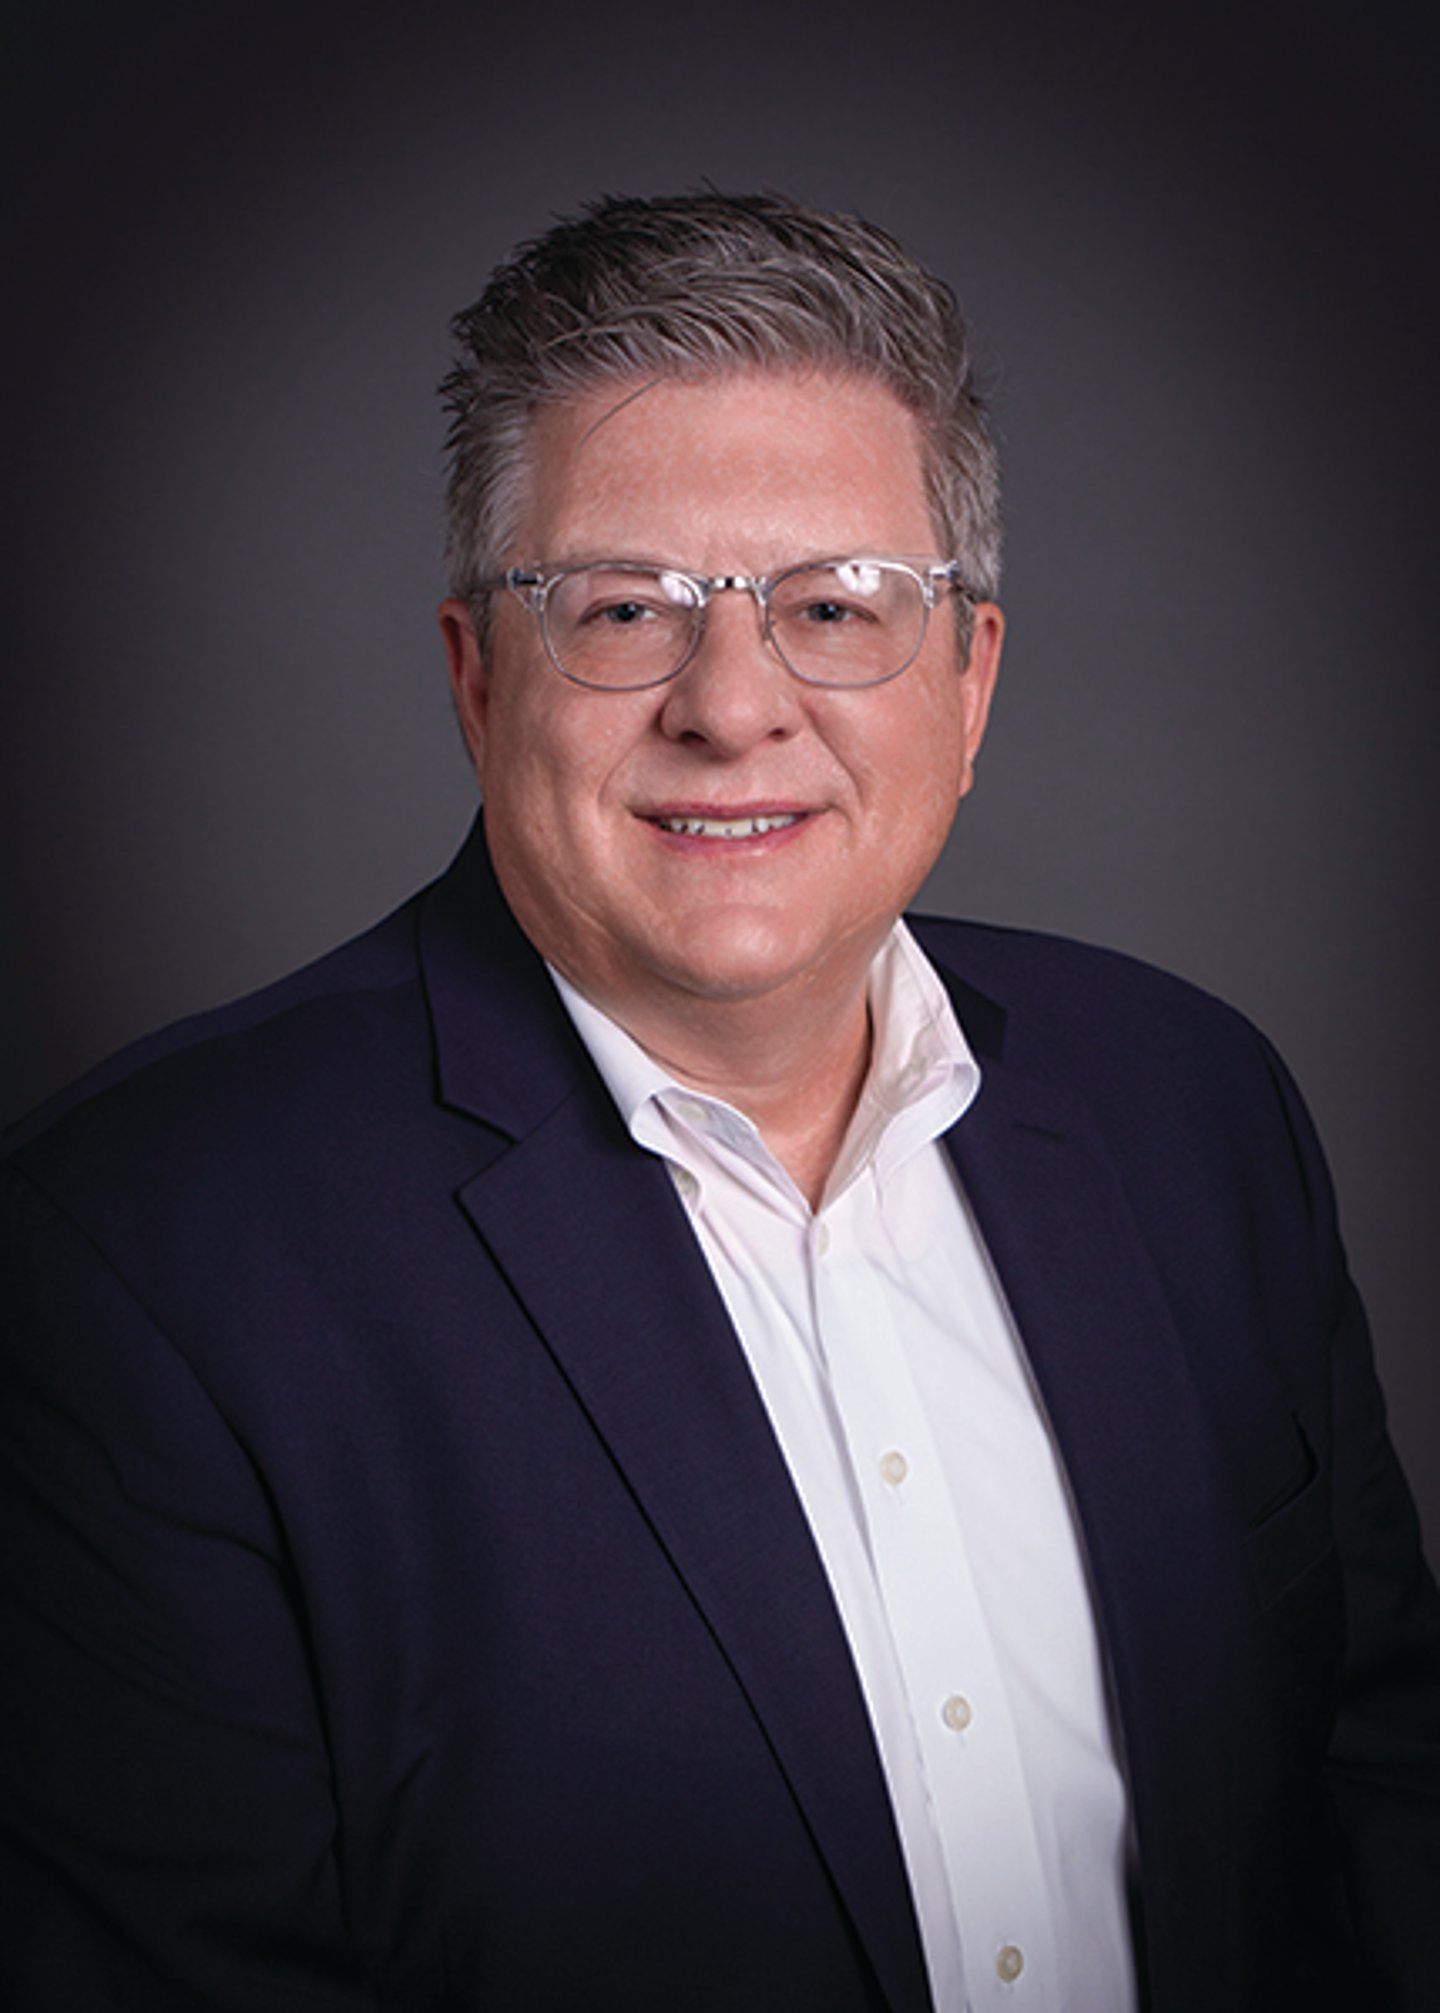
<point>851,622</point>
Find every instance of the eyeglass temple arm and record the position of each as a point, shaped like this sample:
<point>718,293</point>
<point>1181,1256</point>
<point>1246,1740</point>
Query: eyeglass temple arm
<point>949,572</point>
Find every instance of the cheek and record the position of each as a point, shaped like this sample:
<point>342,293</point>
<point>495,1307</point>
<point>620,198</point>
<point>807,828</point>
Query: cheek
<point>920,759</point>
<point>556,758</point>
<point>948,732</point>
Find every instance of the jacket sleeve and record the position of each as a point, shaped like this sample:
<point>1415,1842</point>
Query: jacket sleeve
<point>1384,1762</point>
<point>1383,1766</point>
<point>167,1820</point>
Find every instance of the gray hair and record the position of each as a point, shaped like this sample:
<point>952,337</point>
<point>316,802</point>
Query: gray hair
<point>695,286</point>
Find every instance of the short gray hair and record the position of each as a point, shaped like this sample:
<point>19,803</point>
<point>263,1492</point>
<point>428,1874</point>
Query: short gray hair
<point>696,286</point>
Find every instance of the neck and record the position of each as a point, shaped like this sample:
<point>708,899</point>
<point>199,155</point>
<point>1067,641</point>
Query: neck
<point>796,1073</point>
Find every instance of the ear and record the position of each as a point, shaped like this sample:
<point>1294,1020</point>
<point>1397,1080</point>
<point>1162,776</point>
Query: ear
<point>469,679</point>
<point>987,636</point>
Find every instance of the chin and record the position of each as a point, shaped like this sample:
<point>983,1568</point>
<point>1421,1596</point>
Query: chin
<point>740,962</point>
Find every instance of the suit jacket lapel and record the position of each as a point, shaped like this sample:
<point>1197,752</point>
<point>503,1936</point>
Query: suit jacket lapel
<point>634,1321</point>
<point>1110,1366</point>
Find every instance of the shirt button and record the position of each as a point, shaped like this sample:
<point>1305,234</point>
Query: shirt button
<point>894,1467</point>
<point>695,1113</point>
<point>1009,1963</point>
<point>822,1239</point>
<point>957,1715</point>
<point>685,1182</point>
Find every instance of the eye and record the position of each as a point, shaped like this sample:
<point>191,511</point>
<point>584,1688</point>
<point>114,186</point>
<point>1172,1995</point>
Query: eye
<point>818,605</point>
<point>829,613</point>
<point>607,608</point>
<point>848,595</point>
<point>623,597</point>
<point>619,614</point>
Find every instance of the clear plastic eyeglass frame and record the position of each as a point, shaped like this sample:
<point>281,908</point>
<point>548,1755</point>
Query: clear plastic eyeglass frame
<point>534,586</point>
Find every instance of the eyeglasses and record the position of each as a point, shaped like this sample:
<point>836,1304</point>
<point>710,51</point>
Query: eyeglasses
<point>620,626</point>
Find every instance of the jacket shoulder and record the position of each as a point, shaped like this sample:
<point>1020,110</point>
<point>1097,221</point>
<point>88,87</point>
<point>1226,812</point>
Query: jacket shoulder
<point>1079,993</point>
<point>1158,1060</point>
<point>230,1056</point>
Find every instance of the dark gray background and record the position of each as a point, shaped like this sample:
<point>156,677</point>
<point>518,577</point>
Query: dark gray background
<point>1199,251</point>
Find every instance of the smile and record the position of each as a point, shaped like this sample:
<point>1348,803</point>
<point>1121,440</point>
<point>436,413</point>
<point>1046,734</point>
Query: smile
<point>728,828</point>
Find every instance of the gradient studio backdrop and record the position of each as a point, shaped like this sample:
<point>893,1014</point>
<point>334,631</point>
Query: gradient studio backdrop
<point>1200,255</point>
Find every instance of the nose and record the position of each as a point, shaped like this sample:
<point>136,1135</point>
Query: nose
<point>734,692</point>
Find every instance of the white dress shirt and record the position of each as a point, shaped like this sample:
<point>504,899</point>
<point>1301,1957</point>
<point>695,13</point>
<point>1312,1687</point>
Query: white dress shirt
<point>897,1386</point>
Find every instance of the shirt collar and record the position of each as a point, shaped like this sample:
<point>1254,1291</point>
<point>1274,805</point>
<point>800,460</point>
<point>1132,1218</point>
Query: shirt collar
<point>922,1075</point>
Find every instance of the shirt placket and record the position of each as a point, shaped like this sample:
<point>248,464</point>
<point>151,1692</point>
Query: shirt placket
<point>963,1727</point>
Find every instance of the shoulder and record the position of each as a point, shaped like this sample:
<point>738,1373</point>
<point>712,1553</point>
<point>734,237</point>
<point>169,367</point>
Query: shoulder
<point>1078,994</point>
<point>1170,1073</point>
<point>261,1067</point>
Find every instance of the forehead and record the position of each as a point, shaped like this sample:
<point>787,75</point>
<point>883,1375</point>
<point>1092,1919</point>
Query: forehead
<point>750,468</point>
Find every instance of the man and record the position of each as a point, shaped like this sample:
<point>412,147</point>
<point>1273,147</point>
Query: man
<point>645,1437</point>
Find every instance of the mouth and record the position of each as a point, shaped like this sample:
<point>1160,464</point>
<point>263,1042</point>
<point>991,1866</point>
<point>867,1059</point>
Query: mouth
<point>751,825</point>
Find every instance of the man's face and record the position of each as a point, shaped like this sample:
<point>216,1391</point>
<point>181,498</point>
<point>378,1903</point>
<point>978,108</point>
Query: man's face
<point>745,473</point>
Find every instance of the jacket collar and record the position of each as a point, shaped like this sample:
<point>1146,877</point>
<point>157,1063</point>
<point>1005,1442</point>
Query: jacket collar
<point>1100,1332</point>
<point>505,1051</point>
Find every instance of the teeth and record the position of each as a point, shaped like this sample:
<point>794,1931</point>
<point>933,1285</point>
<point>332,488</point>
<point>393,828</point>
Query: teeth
<point>727,828</point>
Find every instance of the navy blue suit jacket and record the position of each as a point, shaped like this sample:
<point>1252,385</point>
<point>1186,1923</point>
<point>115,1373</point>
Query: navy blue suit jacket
<point>407,1602</point>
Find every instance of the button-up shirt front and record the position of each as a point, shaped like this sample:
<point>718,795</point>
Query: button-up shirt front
<point>897,1386</point>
